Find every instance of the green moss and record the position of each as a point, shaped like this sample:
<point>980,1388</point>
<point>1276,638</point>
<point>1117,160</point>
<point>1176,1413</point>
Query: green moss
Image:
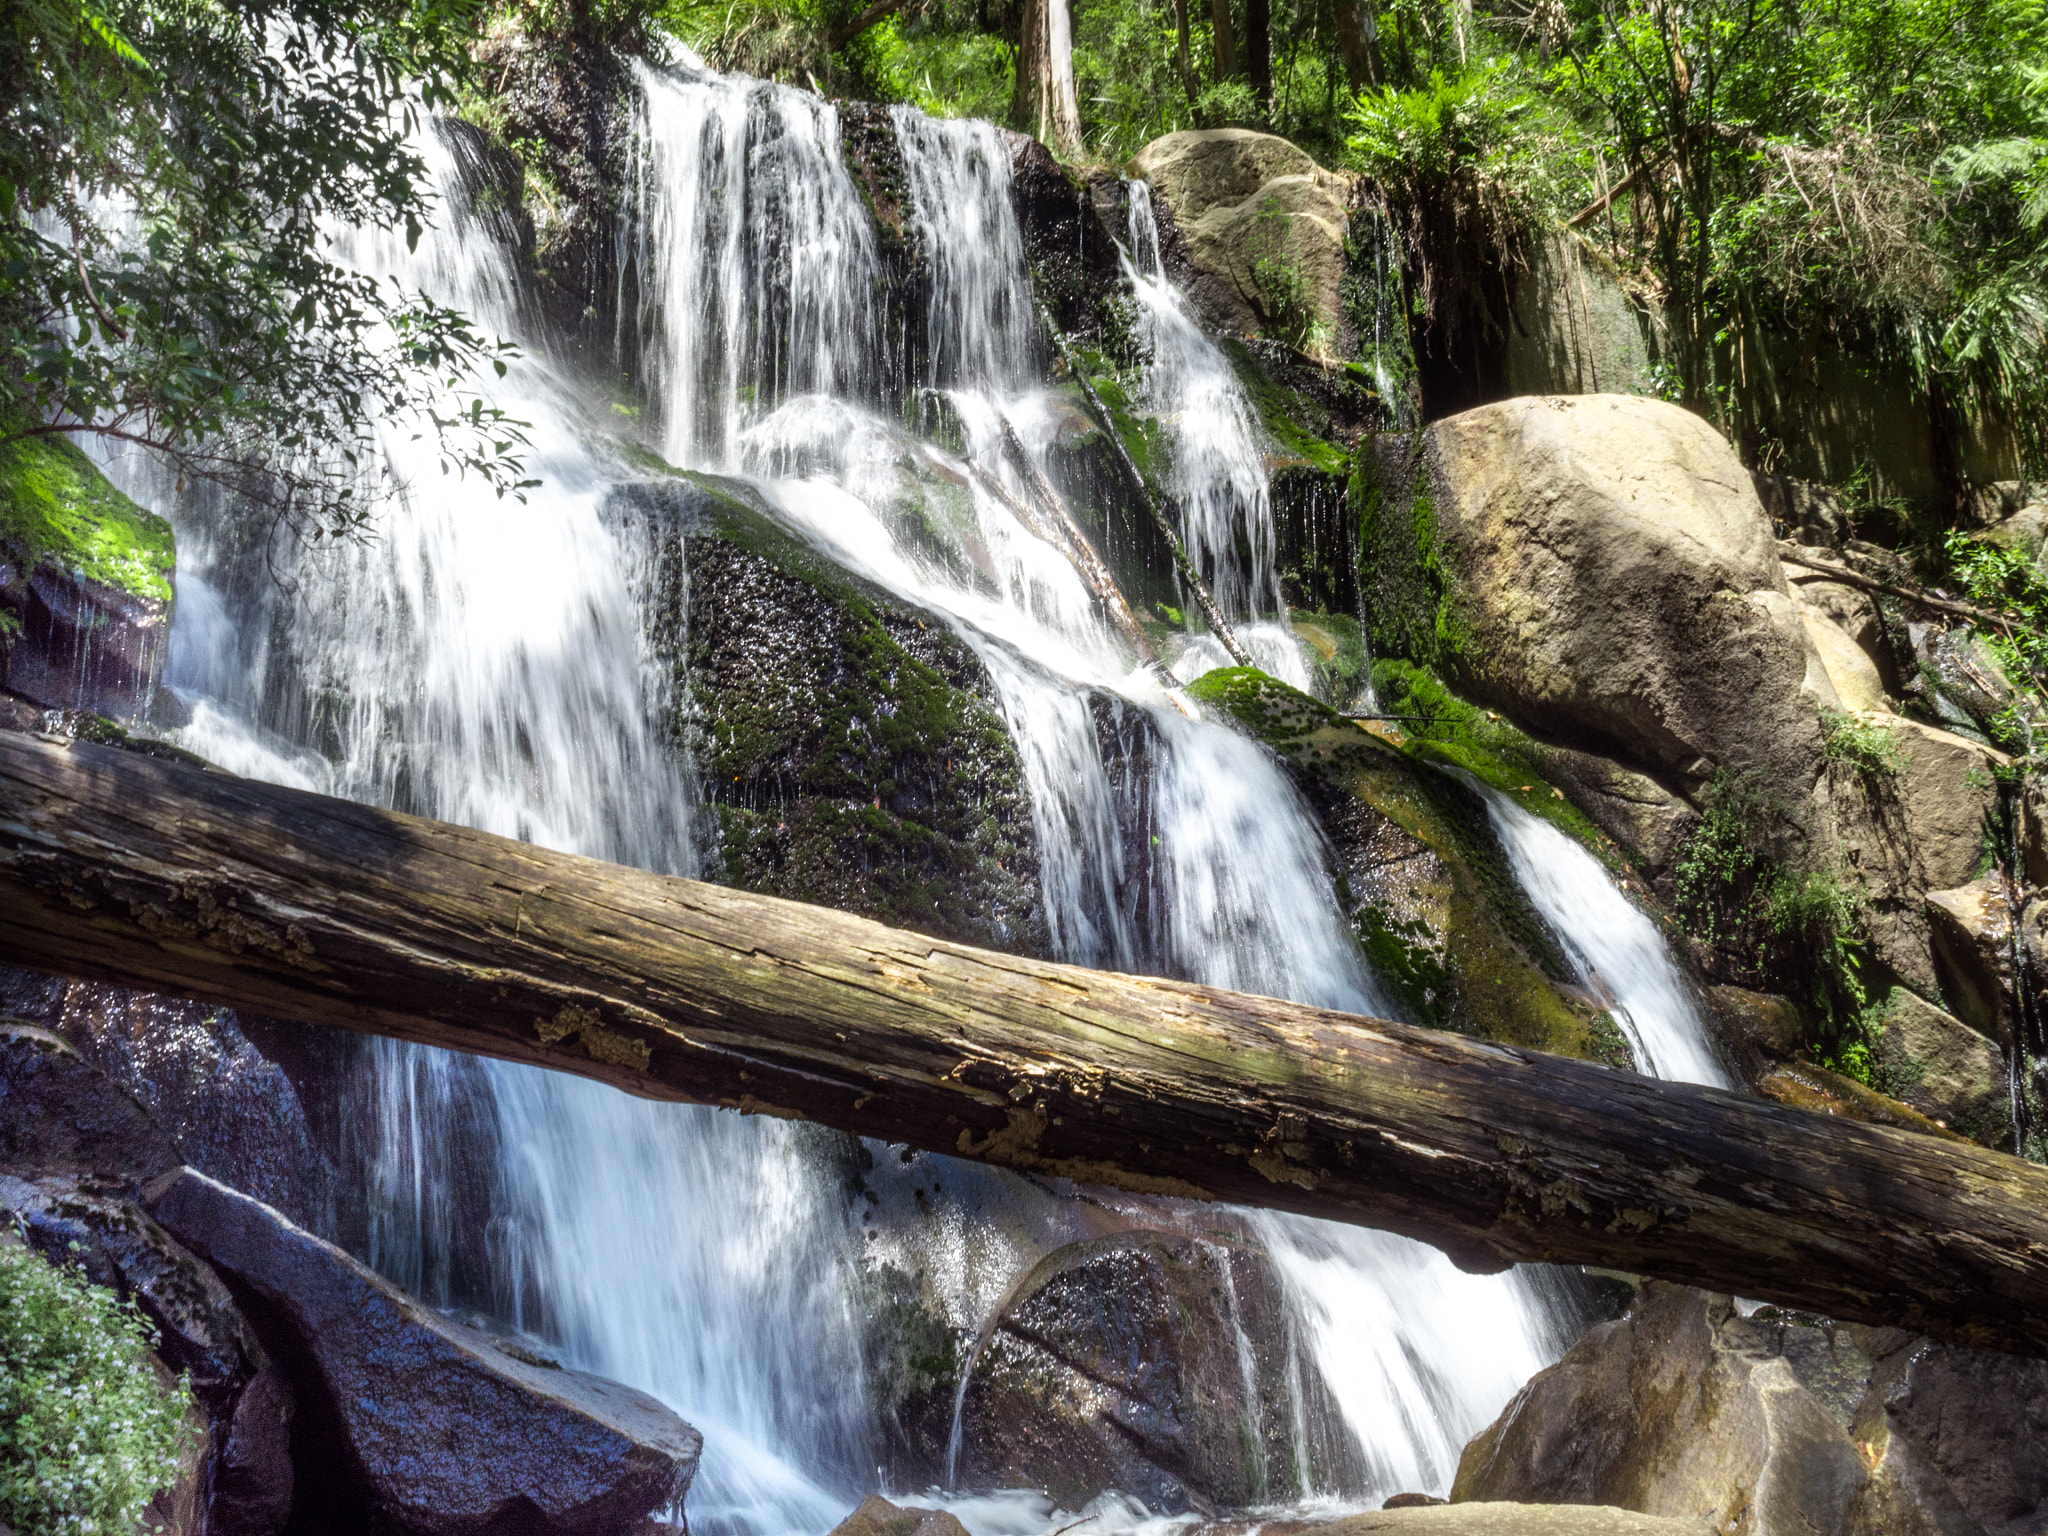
<point>57,508</point>
<point>1410,594</point>
<point>1299,427</point>
<point>1446,729</point>
<point>1336,644</point>
<point>1438,912</point>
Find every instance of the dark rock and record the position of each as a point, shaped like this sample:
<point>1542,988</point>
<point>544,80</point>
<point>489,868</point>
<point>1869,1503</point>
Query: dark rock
<point>232,1113</point>
<point>437,1428</point>
<point>1791,1426</point>
<point>60,1115</point>
<point>1413,1501</point>
<point>252,1480</point>
<point>851,746</point>
<point>1514,1520</point>
<point>1116,1363</point>
<point>878,1517</point>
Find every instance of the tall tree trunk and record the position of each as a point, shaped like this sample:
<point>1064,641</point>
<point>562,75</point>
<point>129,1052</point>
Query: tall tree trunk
<point>1358,37</point>
<point>1045,99</point>
<point>1225,30</point>
<point>1184,54</point>
<point>1258,50</point>
<point>117,867</point>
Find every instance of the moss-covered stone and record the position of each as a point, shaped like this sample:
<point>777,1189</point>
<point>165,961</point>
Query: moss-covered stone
<point>57,509</point>
<point>850,746</point>
<point>1407,592</point>
<point>1423,880</point>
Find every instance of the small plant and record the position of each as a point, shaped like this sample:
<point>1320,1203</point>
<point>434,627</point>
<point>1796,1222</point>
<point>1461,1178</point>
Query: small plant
<point>87,1435</point>
<point>1869,748</point>
<point>1283,290</point>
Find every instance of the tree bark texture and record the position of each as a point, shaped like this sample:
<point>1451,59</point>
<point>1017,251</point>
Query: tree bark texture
<point>1224,30</point>
<point>117,867</point>
<point>1045,97</point>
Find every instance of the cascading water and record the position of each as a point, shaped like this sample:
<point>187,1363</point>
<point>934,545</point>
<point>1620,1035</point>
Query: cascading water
<point>1613,943</point>
<point>488,663</point>
<point>1217,476</point>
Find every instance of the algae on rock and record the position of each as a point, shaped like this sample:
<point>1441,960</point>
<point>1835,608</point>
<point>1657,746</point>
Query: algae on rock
<point>1422,878</point>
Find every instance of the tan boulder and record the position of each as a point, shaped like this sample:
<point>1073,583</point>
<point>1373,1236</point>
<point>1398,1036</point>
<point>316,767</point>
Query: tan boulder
<point>1937,1064</point>
<point>1773,1425</point>
<point>876,1516</point>
<point>1856,680</point>
<point>1971,929</point>
<point>1511,1520</point>
<point>1251,207</point>
<point>1614,583</point>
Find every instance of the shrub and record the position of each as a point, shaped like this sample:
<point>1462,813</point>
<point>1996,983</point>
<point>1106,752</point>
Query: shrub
<point>1869,748</point>
<point>87,1434</point>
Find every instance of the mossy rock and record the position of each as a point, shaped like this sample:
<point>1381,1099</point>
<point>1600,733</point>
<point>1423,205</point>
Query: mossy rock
<point>58,510</point>
<point>850,746</point>
<point>1425,883</point>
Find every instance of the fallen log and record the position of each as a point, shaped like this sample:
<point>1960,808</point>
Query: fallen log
<point>122,868</point>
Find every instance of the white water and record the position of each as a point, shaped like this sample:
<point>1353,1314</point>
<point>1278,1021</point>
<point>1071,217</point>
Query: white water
<point>485,662</point>
<point>1218,474</point>
<point>1616,948</point>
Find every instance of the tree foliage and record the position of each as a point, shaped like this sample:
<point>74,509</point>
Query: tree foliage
<point>171,174</point>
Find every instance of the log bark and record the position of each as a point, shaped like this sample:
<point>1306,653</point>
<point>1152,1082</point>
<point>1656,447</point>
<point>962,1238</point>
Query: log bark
<point>122,868</point>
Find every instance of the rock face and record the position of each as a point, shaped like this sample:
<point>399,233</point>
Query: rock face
<point>1264,227</point>
<point>1940,1066</point>
<point>85,578</point>
<point>1120,1362</point>
<point>1424,882</point>
<point>1774,1425</point>
<point>444,1431</point>
<point>1600,569</point>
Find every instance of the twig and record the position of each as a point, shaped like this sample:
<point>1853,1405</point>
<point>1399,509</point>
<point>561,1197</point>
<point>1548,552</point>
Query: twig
<point>839,37</point>
<point>1911,594</point>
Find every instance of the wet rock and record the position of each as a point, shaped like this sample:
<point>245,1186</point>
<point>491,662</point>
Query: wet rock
<point>232,1113</point>
<point>61,1115</point>
<point>878,1517</point>
<point>1802,1085</point>
<point>253,1480</point>
<point>1762,1030</point>
<point>85,584</point>
<point>1494,1519</point>
<point>1775,1424</point>
<point>1972,931</point>
<point>1121,1362</point>
<point>1251,206</point>
<point>1420,875</point>
<point>1599,568</point>
<point>852,747</point>
<point>433,1427</point>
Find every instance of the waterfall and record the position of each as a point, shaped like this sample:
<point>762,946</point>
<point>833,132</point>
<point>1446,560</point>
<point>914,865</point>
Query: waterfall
<point>486,662</point>
<point>1612,943</point>
<point>1217,474</point>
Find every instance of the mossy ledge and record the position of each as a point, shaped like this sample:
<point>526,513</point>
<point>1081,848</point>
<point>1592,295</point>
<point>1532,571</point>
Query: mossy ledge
<point>58,510</point>
<point>1424,883</point>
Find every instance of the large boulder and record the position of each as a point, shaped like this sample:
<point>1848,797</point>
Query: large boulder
<point>434,1428</point>
<point>1264,227</point>
<point>1511,1520</point>
<point>1940,1066</point>
<point>876,1516</point>
<point>1599,568</point>
<point>1774,1424</point>
<point>1117,1363</point>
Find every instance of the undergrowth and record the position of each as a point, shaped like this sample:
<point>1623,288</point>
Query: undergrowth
<point>1780,925</point>
<point>87,1435</point>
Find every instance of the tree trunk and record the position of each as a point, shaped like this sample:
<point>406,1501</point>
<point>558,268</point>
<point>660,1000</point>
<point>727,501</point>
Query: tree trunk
<point>1358,37</point>
<point>1225,31</point>
<point>121,868</point>
<point>1258,50</point>
<point>1184,54</point>
<point>1045,99</point>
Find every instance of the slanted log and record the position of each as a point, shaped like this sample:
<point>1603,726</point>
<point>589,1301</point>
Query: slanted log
<point>121,868</point>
